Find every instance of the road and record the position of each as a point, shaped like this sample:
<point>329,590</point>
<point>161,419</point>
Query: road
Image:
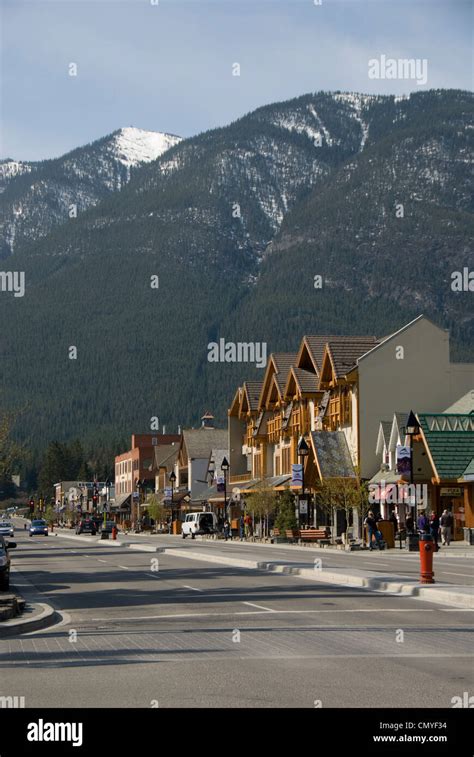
<point>187,633</point>
<point>458,571</point>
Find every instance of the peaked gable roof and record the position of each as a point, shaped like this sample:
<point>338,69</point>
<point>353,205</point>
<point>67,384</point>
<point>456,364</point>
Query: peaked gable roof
<point>301,382</point>
<point>332,455</point>
<point>278,365</point>
<point>311,352</point>
<point>198,443</point>
<point>450,442</point>
<point>383,438</point>
<point>342,353</point>
<point>251,392</point>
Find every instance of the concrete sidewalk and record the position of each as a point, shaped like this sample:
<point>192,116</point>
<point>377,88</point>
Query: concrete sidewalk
<point>456,549</point>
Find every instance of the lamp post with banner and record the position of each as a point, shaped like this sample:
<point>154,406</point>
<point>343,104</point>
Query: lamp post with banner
<point>303,452</point>
<point>405,464</point>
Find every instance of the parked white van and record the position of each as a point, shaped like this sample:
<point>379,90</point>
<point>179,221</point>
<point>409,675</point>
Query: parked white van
<point>199,523</point>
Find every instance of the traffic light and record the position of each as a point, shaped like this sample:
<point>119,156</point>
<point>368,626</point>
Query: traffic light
<point>32,505</point>
<point>94,500</point>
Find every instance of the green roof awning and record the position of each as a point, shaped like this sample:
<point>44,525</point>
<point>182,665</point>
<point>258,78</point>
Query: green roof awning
<point>450,440</point>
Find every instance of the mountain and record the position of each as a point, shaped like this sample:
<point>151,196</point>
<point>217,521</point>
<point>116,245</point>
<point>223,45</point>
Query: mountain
<point>235,224</point>
<point>37,196</point>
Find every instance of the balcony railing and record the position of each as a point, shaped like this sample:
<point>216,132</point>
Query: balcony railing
<point>274,427</point>
<point>240,477</point>
<point>299,422</point>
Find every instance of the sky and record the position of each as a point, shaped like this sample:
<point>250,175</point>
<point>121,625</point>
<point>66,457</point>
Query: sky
<point>168,65</point>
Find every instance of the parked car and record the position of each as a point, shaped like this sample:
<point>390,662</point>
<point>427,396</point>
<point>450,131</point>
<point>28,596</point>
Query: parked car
<point>109,524</point>
<point>199,523</point>
<point>5,546</point>
<point>6,528</point>
<point>38,528</point>
<point>86,526</point>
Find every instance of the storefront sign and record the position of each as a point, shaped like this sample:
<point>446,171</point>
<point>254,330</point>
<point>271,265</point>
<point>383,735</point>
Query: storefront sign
<point>303,506</point>
<point>451,491</point>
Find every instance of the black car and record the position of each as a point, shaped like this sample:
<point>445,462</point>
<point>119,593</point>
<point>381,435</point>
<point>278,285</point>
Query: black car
<point>5,546</point>
<point>86,527</point>
<point>109,525</point>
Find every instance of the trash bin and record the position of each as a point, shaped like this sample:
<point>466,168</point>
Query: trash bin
<point>411,543</point>
<point>387,530</point>
<point>469,536</point>
<point>176,527</point>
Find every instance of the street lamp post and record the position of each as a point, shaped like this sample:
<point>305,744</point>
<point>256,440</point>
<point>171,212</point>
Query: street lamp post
<point>303,451</point>
<point>412,429</point>
<point>224,468</point>
<point>172,478</point>
<point>107,487</point>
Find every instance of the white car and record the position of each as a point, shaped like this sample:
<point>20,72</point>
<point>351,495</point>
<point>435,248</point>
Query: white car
<point>6,528</point>
<point>199,523</point>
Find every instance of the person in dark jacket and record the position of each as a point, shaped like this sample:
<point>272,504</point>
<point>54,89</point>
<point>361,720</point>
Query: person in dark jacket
<point>242,528</point>
<point>372,529</point>
<point>446,523</point>
<point>423,524</point>
<point>409,524</point>
<point>434,528</point>
<point>393,519</point>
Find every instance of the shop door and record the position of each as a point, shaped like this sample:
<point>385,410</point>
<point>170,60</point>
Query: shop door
<point>459,517</point>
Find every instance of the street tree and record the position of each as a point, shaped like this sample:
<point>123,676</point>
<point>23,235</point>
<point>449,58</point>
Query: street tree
<point>262,502</point>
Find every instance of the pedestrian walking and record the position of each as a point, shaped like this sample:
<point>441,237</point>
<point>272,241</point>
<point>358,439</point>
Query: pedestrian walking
<point>248,526</point>
<point>423,524</point>
<point>446,523</point>
<point>242,528</point>
<point>409,524</point>
<point>227,532</point>
<point>434,529</point>
<point>393,519</point>
<point>372,529</point>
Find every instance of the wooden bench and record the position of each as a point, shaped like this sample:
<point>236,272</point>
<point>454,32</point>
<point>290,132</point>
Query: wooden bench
<point>313,534</point>
<point>292,534</point>
<point>276,532</point>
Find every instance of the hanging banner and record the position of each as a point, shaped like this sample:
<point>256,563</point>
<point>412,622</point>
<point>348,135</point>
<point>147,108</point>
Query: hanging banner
<point>403,460</point>
<point>220,483</point>
<point>297,474</point>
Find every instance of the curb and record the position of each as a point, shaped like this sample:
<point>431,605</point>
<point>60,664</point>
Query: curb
<point>112,543</point>
<point>91,540</point>
<point>48,617</point>
<point>446,594</point>
<point>437,593</point>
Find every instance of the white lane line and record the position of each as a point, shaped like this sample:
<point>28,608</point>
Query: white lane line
<point>465,575</point>
<point>259,607</point>
<point>385,564</point>
<point>457,609</point>
<point>153,575</point>
<point>193,588</point>
<point>99,560</point>
<point>124,567</point>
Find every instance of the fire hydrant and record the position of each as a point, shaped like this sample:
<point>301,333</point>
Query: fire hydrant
<point>114,533</point>
<point>426,559</point>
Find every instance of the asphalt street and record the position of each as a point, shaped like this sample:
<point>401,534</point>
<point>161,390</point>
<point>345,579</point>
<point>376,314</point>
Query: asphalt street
<point>143,629</point>
<point>454,570</point>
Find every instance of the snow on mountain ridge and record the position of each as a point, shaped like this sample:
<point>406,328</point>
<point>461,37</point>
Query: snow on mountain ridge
<point>133,146</point>
<point>11,168</point>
